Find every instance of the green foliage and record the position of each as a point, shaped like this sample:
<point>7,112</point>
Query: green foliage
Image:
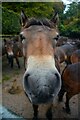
<point>6,77</point>
<point>0,19</point>
<point>69,22</point>
<point>39,9</point>
<point>10,22</point>
<point>11,13</point>
<point>70,25</point>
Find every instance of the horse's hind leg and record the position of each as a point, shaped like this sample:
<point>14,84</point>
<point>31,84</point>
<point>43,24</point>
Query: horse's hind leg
<point>35,108</point>
<point>17,61</point>
<point>49,112</point>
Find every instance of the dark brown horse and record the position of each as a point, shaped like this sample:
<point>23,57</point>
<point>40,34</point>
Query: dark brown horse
<point>75,57</point>
<point>41,80</point>
<point>70,83</point>
<point>13,50</point>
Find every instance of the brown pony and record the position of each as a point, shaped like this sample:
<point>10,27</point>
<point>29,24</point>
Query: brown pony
<point>12,50</point>
<point>60,54</point>
<point>64,52</point>
<point>70,83</point>
<point>41,80</point>
<point>75,57</point>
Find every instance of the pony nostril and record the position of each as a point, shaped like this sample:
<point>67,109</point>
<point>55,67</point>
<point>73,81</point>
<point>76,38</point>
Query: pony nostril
<point>26,76</point>
<point>57,76</point>
<point>26,83</point>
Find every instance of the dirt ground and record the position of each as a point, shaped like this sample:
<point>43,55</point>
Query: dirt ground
<point>19,103</point>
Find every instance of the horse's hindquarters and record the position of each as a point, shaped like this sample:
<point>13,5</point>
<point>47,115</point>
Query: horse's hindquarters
<point>42,81</point>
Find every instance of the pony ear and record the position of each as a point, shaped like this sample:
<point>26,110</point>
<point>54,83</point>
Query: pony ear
<point>55,19</point>
<point>23,18</point>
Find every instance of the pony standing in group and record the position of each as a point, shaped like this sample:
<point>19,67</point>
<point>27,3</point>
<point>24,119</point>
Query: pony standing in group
<point>41,80</point>
<point>12,49</point>
<point>70,83</point>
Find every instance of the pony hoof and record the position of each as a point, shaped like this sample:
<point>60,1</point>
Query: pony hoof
<point>35,118</point>
<point>12,67</point>
<point>19,67</point>
<point>49,116</point>
<point>67,110</point>
<point>60,100</point>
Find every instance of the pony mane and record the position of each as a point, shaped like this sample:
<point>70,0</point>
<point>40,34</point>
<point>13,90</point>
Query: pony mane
<point>34,21</point>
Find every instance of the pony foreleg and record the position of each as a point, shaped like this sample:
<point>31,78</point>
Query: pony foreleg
<point>24,63</point>
<point>49,112</point>
<point>17,61</point>
<point>35,108</point>
<point>12,60</point>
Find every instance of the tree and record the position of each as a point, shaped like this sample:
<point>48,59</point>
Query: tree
<point>10,22</point>
<point>71,20</point>
<point>11,12</point>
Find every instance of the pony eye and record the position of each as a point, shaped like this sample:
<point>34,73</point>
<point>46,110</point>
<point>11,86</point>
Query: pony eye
<point>56,38</point>
<point>22,37</point>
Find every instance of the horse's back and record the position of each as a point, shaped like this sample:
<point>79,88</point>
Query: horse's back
<point>67,48</point>
<point>60,54</point>
<point>75,56</point>
<point>73,71</point>
<point>71,77</point>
